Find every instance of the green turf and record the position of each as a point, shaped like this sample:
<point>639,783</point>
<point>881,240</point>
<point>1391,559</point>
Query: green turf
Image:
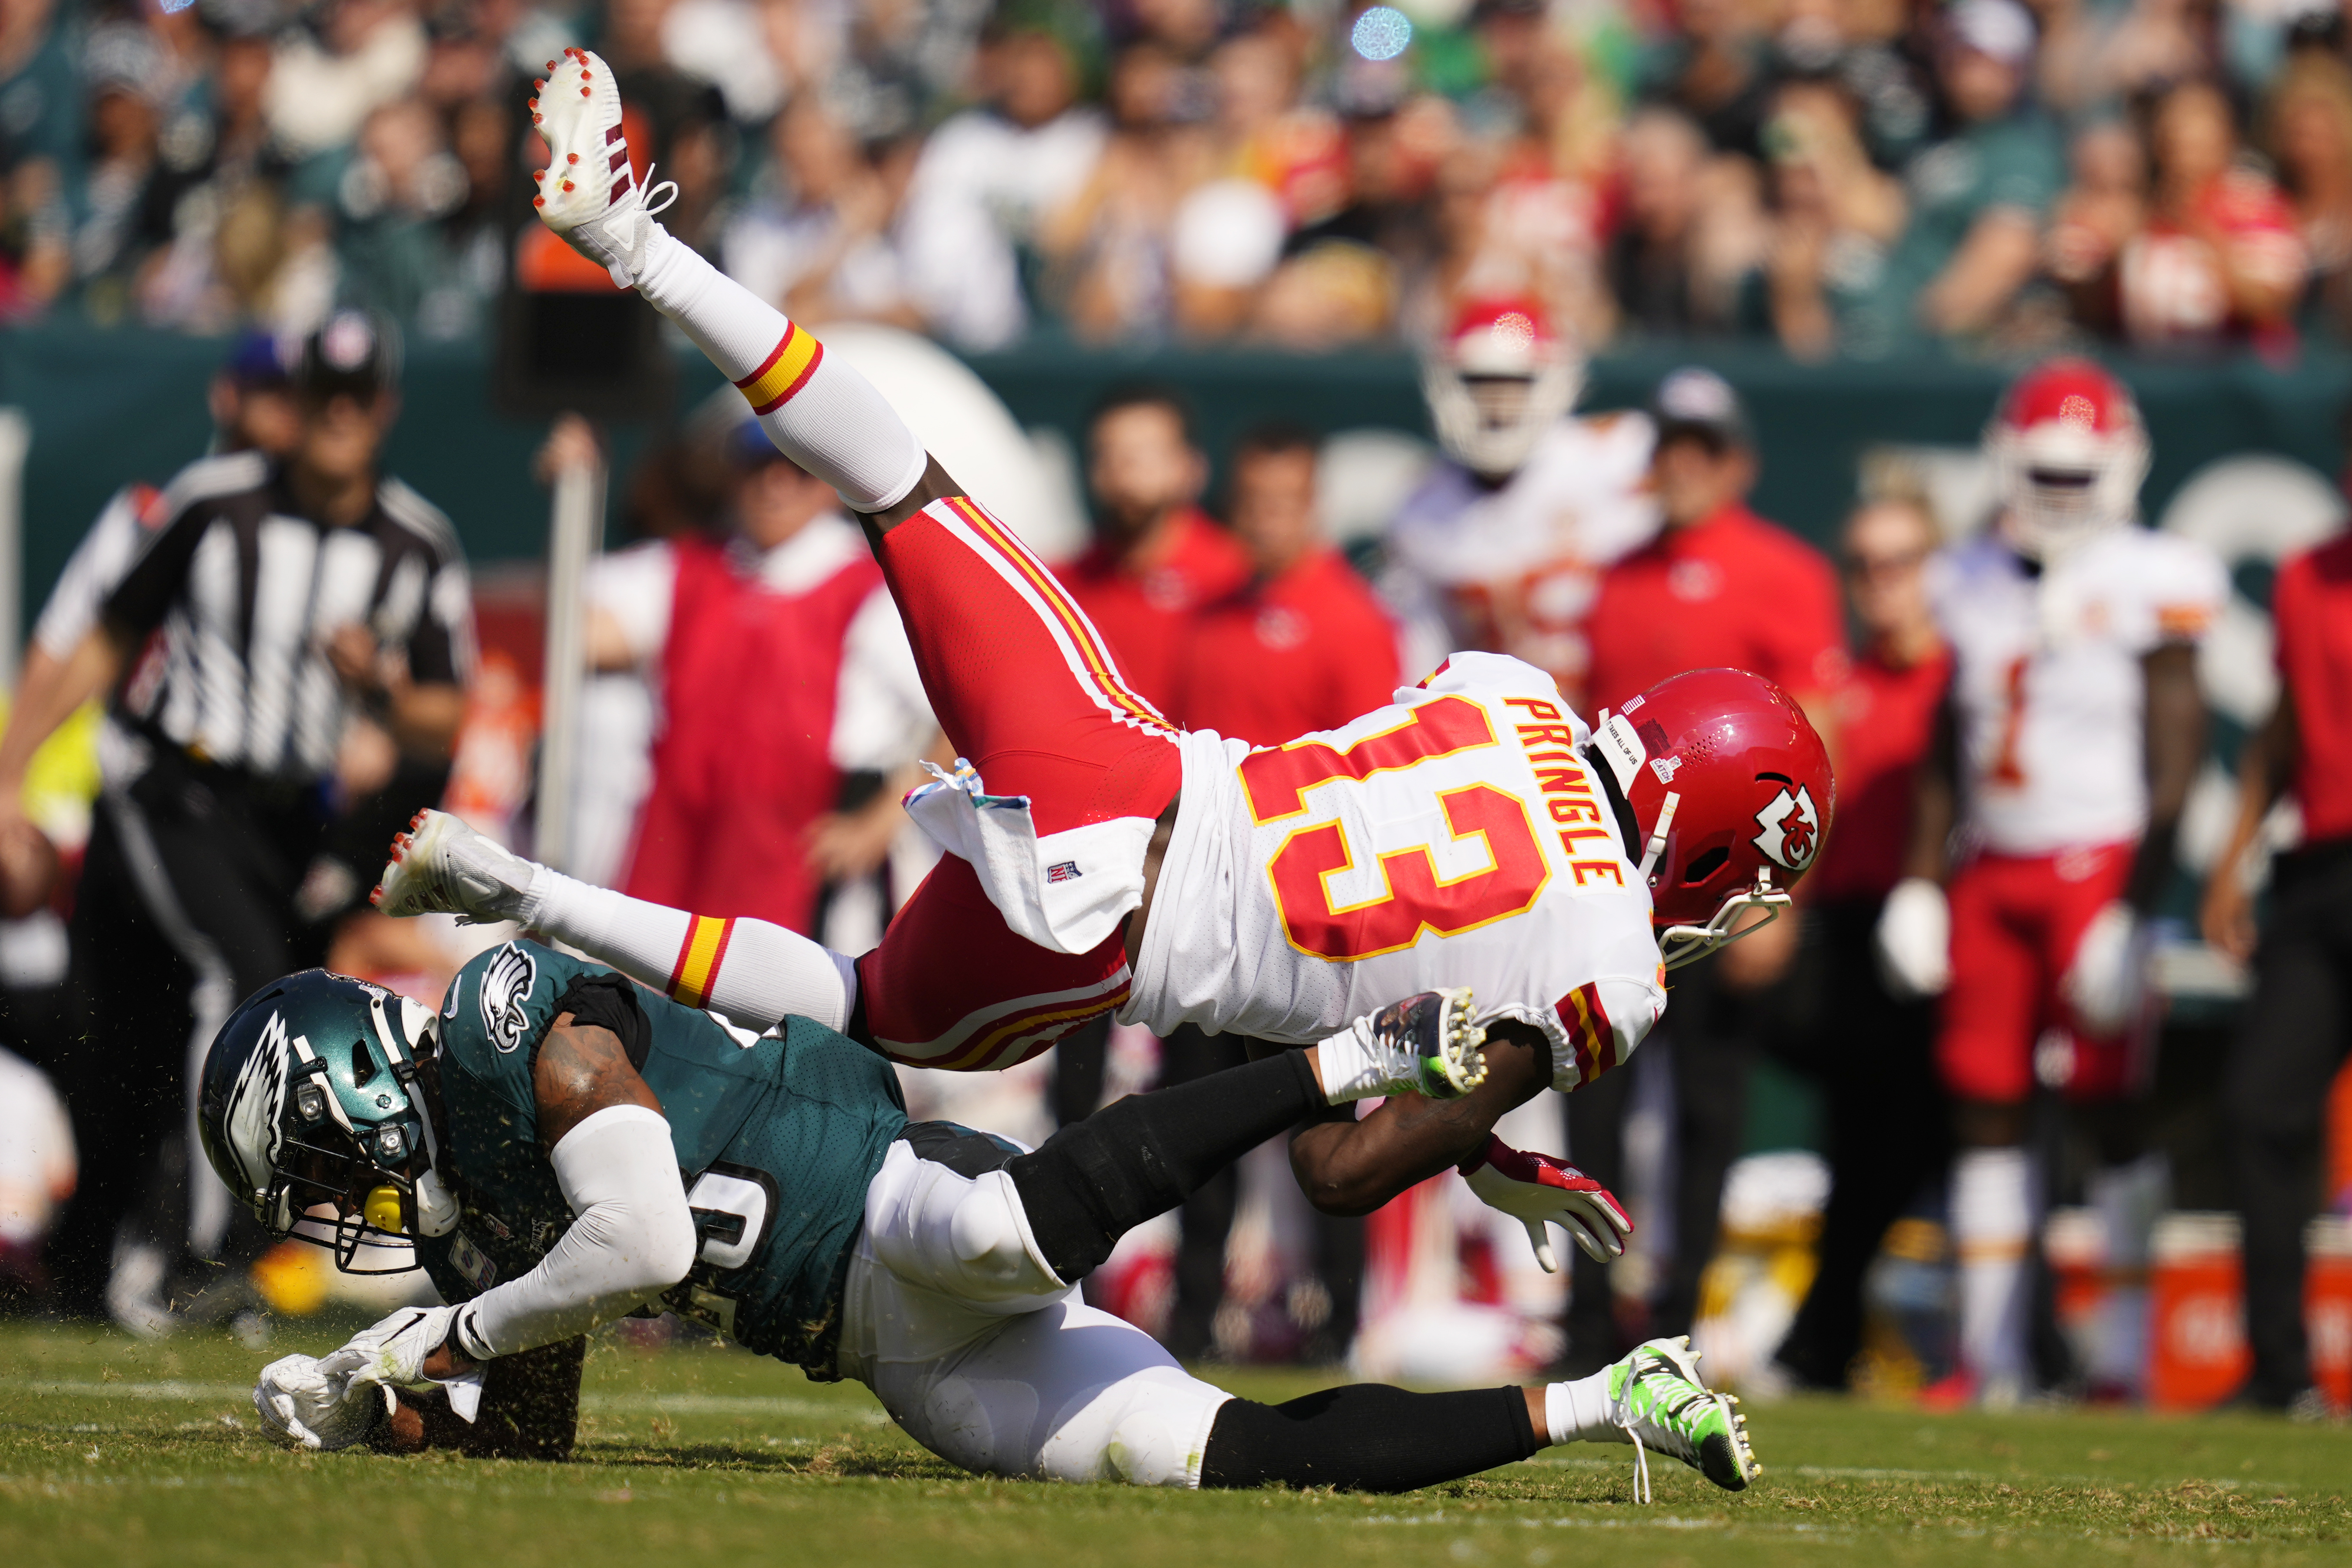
<point>116,1454</point>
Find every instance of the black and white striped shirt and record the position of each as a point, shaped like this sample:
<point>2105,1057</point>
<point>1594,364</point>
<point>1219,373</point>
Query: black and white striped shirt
<point>245,590</point>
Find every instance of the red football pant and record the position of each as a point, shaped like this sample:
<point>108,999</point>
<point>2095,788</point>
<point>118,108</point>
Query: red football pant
<point>2016,920</point>
<point>1027,691</point>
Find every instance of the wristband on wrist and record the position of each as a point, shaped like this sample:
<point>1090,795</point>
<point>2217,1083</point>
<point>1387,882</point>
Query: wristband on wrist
<point>465,1340</point>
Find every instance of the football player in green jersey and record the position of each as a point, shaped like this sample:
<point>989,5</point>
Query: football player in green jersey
<point>558,1148</point>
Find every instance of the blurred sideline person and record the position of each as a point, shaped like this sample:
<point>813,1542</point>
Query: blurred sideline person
<point>1503,545</point>
<point>1870,1051</point>
<point>2293,1036</point>
<point>1303,646</point>
<point>2072,734</point>
<point>1156,559</point>
<point>272,603</point>
<point>1717,587</point>
<point>253,410</point>
<point>790,711</point>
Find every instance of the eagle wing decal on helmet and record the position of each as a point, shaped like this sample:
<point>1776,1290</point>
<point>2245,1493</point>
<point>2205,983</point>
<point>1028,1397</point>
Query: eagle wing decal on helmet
<point>506,984</point>
<point>255,1119</point>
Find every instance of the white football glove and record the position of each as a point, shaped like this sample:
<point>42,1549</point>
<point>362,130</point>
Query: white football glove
<point>306,1408</point>
<point>2107,981</point>
<point>1536,1189</point>
<point>390,1353</point>
<point>1914,939</point>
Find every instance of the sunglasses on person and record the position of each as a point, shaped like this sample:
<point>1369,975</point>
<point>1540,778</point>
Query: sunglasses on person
<point>1889,565</point>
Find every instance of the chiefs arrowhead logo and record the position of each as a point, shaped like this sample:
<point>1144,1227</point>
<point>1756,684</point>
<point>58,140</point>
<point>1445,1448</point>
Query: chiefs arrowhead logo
<point>1791,829</point>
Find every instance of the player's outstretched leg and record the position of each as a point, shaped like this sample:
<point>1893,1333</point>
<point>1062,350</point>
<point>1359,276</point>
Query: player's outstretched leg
<point>1029,1382</point>
<point>821,413</point>
<point>753,972</point>
<point>1372,1438</point>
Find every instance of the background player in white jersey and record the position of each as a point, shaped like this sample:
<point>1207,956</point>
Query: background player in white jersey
<point>1502,546</point>
<point>1475,837</point>
<point>2071,733</point>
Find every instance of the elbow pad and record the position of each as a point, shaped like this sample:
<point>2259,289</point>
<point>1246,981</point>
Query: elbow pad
<point>631,1239</point>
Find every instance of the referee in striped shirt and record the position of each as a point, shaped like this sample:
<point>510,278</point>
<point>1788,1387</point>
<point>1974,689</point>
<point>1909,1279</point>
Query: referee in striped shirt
<point>274,600</point>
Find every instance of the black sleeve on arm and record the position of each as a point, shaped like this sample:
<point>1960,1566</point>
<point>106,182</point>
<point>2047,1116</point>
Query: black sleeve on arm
<point>1367,1437</point>
<point>145,597</point>
<point>609,1001</point>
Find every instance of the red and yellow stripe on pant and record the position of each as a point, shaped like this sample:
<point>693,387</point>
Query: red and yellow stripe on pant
<point>1591,1039</point>
<point>782,373</point>
<point>699,958</point>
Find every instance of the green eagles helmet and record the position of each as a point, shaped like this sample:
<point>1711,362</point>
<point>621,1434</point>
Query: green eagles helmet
<point>309,1111</point>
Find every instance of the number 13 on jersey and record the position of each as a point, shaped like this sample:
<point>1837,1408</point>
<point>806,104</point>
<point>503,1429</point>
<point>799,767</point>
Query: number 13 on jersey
<point>1412,896</point>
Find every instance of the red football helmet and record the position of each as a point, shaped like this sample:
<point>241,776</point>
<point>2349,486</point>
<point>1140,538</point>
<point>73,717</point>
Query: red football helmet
<point>1732,793</point>
<point>1498,380</point>
<point>2069,451</point>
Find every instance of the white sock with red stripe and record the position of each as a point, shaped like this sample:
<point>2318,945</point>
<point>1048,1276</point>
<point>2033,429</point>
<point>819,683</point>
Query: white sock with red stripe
<point>820,412</point>
<point>756,973</point>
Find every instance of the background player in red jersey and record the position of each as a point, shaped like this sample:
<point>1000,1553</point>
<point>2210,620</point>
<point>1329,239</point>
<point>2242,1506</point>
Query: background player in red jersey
<point>1305,646</point>
<point>2293,1039</point>
<point>2074,730</point>
<point>1871,1049</point>
<point>1717,586</point>
<point>1157,558</point>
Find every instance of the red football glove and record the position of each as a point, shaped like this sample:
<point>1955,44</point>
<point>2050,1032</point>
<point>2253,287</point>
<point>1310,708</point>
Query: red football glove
<point>1536,1188</point>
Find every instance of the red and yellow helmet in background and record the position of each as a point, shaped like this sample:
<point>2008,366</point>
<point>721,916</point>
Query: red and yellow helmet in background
<point>2069,453</point>
<point>1499,379</point>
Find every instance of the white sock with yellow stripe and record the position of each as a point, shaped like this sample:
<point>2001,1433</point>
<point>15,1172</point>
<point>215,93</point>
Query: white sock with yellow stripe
<point>754,973</point>
<point>820,412</point>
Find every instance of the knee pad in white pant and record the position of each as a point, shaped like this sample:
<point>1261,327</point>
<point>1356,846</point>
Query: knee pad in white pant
<point>1067,1394</point>
<point>964,1237</point>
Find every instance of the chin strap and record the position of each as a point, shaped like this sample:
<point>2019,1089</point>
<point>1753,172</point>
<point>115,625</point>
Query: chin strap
<point>1681,944</point>
<point>1657,844</point>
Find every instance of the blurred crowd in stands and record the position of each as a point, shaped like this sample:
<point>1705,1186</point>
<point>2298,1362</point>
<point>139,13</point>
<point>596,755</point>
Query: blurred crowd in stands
<point>1846,176</point>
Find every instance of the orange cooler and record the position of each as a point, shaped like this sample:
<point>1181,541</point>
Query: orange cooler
<point>2197,1337</point>
<point>2327,1305</point>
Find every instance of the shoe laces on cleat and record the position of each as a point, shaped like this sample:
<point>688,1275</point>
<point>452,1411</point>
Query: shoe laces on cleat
<point>1657,1400</point>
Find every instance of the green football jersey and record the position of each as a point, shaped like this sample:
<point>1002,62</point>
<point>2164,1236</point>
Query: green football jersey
<point>776,1139</point>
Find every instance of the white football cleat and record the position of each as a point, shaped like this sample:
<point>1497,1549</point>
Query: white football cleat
<point>440,866</point>
<point>587,195</point>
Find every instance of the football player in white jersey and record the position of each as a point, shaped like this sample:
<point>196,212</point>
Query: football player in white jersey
<point>2072,732</point>
<point>1502,546</point>
<point>1470,864</point>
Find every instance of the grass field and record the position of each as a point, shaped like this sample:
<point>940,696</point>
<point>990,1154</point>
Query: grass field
<point>115,1453</point>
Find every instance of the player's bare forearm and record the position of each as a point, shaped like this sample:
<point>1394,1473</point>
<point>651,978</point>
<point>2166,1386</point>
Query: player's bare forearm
<point>2264,765</point>
<point>2176,748</point>
<point>582,1068</point>
<point>936,484</point>
<point>531,1410</point>
<point>1934,800</point>
<point>1350,1167</point>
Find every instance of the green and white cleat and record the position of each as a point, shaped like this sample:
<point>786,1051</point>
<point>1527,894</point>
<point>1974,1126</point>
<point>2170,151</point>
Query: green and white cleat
<point>1658,1401</point>
<point>1430,1043</point>
<point>440,866</point>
